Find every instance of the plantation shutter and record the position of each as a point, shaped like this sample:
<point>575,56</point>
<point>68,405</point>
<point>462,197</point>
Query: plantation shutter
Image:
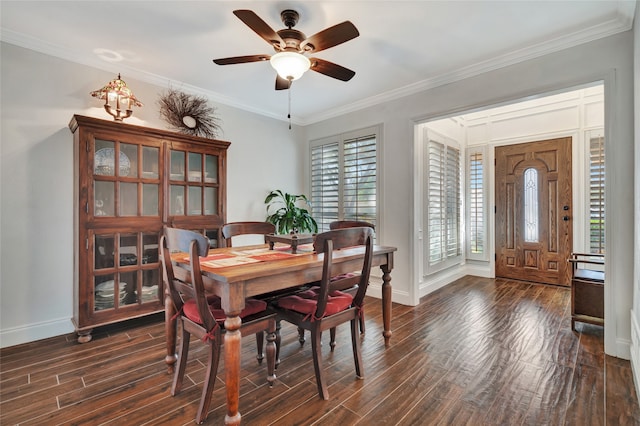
<point>344,177</point>
<point>360,179</point>
<point>443,203</point>
<point>325,179</point>
<point>435,200</point>
<point>596,195</point>
<point>452,194</point>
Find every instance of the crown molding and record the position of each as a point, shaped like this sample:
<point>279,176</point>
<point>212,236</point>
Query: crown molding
<point>623,21</point>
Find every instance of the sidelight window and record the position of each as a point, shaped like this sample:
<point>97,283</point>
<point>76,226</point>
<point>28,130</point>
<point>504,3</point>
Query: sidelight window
<point>476,244</point>
<point>596,192</point>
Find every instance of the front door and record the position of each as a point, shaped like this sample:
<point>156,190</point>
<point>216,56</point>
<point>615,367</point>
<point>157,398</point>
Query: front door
<point>533,211</point>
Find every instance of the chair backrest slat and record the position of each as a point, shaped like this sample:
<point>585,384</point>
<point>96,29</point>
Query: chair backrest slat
<point>341,224</point>
<point>233,229</point>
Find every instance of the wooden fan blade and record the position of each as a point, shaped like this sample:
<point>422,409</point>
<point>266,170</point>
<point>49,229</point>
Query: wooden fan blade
<point>332,70</point>
<point>282,83</point>
<point>241,59</point>
<point>260,27</point>
<point>330,37</point>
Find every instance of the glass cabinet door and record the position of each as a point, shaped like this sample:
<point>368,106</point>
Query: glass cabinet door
<point>126,269</point>
<point>126,184</point>
<point>194,192</point>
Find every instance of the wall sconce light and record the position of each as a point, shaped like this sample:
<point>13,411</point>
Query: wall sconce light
<point>118,99</point>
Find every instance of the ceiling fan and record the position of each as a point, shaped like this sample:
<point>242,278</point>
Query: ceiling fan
<point>292,46</point>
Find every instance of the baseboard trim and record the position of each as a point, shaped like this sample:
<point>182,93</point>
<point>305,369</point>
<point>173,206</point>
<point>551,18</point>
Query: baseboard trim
<point>440,280</point>
<point>375,290</point>
<point>635,353</point>
<point>37,331</point>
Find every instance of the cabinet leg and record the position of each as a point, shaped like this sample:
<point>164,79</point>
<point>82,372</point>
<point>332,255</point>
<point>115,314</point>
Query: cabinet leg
<point>84,336</point>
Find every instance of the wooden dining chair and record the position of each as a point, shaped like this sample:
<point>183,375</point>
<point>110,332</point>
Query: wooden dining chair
<point>351,286</point>
<point>201,315</point>
<point>233,229</point>
<point>325,307</point>
<point>349,280</point>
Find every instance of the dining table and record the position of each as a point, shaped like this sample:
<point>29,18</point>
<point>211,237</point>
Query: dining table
<point>237,273</point>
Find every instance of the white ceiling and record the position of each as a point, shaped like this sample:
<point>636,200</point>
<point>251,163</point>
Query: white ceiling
<point>403,47</point>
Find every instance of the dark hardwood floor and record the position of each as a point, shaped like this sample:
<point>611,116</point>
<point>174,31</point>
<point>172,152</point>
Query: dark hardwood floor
<point>478,352</point>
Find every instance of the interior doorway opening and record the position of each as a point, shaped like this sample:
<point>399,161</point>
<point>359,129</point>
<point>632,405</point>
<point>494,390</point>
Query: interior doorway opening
<point>455,214</point>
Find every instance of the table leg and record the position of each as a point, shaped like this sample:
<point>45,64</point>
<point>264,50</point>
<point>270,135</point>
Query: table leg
<point>170,333</point>
<point>386,303</point>
<point>232,348</point>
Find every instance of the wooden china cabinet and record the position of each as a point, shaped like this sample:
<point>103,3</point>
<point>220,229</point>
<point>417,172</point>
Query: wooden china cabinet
<point>130,181</point>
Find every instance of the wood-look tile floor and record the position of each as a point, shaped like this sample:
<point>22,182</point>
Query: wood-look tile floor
<point>478,352</point>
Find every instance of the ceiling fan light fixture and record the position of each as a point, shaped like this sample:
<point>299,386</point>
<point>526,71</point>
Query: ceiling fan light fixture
<point>290,65</point>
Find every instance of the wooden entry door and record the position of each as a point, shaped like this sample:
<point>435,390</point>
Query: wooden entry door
<point>533,211</point>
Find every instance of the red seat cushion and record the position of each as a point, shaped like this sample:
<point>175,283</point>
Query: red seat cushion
<point>343,276</point>
<point>305,302</point>
<point>251,306</point>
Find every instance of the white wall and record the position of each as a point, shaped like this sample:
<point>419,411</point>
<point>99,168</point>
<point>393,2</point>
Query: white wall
<point>635,315</point>
<point>608,59</point>
<point>40,93</point>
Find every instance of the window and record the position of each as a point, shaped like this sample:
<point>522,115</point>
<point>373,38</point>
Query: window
<point>596,191</point>
<point>442,203</point>
<point>344,178</point>
<point>531,205</point>
<point>476,222</point>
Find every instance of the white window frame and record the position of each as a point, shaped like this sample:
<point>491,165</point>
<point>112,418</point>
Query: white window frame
<point>340,139</point>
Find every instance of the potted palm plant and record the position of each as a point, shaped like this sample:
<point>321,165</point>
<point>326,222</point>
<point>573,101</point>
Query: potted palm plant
<point>286,215</point>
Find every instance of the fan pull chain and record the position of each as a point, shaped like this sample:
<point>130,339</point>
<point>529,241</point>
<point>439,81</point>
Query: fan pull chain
<point>289,115</point>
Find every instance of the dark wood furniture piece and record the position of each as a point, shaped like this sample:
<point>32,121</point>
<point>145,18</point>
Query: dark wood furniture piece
<point>324,307</point>
<point>342,224</point>
<point>234,284</point>
<point>202,315</point>
<point>230,230</point>
<point>129,182</point>
<point>294,240</point>
<point>233,229</point>
<point>587,288</point>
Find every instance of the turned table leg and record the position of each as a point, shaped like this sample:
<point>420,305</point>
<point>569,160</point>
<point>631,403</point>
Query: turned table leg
<point>232,347</point>
<point>386,303</point>
<point>170,333</point>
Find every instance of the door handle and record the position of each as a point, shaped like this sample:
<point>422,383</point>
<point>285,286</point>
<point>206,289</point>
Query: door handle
<point>565,218</point>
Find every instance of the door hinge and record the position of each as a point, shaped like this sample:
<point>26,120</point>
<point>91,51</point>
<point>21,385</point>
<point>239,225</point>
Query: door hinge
<point>86,243</point>
<point>495,209</point>
<point>86,207</point>
<point>495,257</point>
